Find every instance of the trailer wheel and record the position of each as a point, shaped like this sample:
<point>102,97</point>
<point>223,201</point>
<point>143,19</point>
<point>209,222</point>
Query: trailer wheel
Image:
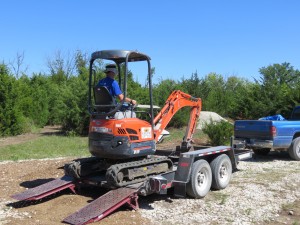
<point>200,179</point>
<point>294,149</point>
<point>221,172</point>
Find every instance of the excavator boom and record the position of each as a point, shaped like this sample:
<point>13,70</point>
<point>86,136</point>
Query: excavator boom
<point>175,102</point>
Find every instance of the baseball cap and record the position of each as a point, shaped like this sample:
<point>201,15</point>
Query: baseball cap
<point>111,68</point>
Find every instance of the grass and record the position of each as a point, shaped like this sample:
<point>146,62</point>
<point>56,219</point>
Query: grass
<point>248,211</point>
<point>221,197</point>
<point>176,135</point>
<point>46,147</point>
<point>288,206</point>
<point>54,146</point>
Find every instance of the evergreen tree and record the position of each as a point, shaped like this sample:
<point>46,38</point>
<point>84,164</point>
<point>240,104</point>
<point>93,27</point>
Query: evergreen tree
<point>11,119</point>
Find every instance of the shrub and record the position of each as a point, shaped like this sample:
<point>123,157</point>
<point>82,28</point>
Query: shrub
<point>219,133</point>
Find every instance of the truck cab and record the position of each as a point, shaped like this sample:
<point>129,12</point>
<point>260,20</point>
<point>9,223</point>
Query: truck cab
<point>295,113</point>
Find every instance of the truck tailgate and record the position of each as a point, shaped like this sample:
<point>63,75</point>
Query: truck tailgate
<point>261,129</point>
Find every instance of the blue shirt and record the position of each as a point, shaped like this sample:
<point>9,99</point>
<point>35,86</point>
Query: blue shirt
<point>112,86</point>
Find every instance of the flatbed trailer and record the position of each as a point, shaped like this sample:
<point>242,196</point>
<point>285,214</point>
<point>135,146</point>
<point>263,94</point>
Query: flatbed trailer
<point>194,173</point>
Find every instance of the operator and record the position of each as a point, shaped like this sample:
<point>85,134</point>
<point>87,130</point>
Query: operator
<point>112,85</point>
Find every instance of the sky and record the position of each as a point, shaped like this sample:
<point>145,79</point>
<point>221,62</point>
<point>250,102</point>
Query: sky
<point>182,37</point>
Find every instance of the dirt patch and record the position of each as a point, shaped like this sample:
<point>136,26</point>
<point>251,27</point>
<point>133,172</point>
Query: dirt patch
<point>18,176</point>
<point>289,215</point>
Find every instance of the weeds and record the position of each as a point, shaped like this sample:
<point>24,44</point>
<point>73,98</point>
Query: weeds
<point>220,197</point>
<point>248,211</point>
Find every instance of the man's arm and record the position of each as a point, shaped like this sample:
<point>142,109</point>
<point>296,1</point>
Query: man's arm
<point>131,101</point>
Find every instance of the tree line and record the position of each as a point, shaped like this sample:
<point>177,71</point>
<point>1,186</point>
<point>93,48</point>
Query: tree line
<point>60,97</point>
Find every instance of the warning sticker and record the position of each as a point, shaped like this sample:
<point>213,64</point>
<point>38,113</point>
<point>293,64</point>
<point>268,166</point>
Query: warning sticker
<point>146,132</point>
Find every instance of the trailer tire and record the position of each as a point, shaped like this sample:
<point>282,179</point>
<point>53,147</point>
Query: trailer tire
<point>294,149</point>
<point>221,172</point>
<point>200,179</point>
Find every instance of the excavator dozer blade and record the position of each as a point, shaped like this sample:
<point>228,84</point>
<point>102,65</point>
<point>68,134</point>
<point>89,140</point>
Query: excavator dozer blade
<point>46,189</point>
<point>104,205</point>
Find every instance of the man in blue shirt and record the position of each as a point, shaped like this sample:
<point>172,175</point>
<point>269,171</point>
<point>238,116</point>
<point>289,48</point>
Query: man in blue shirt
<point>112,85</point>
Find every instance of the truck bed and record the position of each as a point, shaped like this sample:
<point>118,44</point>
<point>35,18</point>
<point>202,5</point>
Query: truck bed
<point>266,133</point>
<point>253,129</point>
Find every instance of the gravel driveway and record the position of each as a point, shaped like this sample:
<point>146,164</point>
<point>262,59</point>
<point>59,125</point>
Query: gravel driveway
<point>257,193</point>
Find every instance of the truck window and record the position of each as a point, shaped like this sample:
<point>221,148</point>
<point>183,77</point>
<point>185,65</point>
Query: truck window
<point>296,114</point>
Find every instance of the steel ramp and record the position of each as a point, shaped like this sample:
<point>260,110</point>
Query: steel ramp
<point>46,189</point>
<point>104,205</point>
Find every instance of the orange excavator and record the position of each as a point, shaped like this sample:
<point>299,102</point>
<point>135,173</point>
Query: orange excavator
<point>124,146</point>
<point>125,160</point>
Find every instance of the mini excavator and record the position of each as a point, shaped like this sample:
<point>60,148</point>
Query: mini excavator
<point>125,160</point>
<point>123,145</point>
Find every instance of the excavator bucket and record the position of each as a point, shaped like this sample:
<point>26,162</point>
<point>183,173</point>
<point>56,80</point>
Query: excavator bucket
<point>46,189</point>
<point>104,205</point>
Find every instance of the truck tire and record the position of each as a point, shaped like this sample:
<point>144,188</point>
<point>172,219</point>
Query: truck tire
<point>294,149</point>
<point>200,179</point>
<point>221,172</point>
<point>262,151</point>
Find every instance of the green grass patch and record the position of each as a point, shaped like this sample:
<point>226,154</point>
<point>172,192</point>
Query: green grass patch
<point>288,206</point>
<point>46,147</point>
<point>221,197</point>
<point>177,134</point>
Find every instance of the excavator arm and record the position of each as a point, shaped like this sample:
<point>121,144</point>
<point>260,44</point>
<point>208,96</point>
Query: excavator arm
<point>175,102</point>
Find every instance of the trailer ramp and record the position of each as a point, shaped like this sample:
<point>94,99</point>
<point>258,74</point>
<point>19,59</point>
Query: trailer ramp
<point>46,189</point>
<point>104,205</point>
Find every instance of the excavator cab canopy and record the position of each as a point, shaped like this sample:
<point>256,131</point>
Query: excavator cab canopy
<point>119,57</point>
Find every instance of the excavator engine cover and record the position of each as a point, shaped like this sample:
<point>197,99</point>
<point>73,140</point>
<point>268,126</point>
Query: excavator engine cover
<point>121,139</point>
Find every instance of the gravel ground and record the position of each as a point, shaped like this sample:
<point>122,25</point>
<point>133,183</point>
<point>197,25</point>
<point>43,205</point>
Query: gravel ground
<point>263,191</point>
<point>257,193</point>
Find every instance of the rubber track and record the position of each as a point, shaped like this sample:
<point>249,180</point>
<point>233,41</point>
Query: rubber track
<point>113,170</point>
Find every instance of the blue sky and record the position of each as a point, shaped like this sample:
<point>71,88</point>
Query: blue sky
<point>182,37</point>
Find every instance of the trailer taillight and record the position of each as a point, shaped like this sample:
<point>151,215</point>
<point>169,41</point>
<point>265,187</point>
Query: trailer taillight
<point>273,131</point>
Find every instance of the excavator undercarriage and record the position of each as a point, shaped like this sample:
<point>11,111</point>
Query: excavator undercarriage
<point>118,174</point>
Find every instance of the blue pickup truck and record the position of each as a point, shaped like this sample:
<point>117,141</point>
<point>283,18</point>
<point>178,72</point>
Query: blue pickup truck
<point>265,135</point>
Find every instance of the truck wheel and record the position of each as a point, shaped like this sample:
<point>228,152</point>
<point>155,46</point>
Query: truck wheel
<point>294,149</point>
<point>262,151</point>
<point>200,180</point>
<point>221,171</point>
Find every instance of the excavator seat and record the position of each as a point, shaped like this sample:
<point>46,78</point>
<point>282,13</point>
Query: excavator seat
<point>104,102</point>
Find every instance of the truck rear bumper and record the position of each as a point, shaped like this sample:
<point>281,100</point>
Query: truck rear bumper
<point>252,143</point>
